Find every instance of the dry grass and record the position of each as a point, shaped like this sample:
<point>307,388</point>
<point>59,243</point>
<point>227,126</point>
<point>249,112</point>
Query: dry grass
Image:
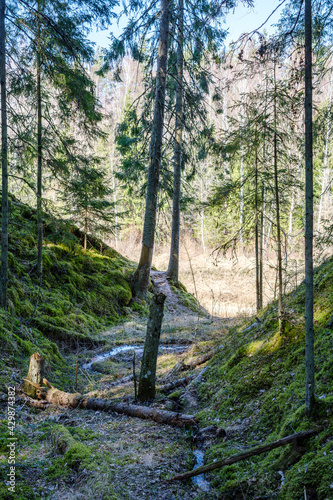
<point>225,286</point>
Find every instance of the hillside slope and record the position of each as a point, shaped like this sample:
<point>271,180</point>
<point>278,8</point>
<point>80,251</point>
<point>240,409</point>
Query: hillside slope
<point>254,388</point>
<point>81,293</point>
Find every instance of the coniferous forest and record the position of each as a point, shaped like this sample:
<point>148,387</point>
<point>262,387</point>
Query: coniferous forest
<point>166,279</point>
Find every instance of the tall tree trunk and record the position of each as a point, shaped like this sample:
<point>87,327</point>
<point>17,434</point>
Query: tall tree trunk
<point>278,225</point>
<point>4,161</point>
<point>39,152</point>
<point>148,366</point>
<point>141,276</point>
<point>309,331</point>
<point>173,268</point>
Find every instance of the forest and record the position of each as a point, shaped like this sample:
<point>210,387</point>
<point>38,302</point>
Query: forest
<point>166,278</point>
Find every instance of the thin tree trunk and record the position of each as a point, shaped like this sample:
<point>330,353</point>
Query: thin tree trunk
<point>4,161</point>
<point>141,276</point>
<point>256,228</point>
<point>147,378</point>
<point>309,332</point>
<point>39,153</point>
<point>241,216</point>
<point>325,167</point>
<point>261,263</point>
<point>278,225</point>
<point>85,229</point>
<point>115,200</point>
<point>173,268</point>
<point>293,198</point>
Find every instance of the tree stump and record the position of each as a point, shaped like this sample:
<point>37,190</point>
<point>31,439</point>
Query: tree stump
<point>35,375</point>
<point>147,378</point>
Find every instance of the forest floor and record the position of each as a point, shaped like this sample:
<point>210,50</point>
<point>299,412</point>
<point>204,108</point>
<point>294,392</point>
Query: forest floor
<point>128,457</point>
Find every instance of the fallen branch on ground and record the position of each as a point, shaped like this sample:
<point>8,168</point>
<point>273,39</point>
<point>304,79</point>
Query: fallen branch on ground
<point>182,382</point>
<point>243,456</point>
<point>199,361</point>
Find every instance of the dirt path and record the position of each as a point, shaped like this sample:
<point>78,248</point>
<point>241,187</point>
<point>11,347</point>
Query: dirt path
<point>129,457</point>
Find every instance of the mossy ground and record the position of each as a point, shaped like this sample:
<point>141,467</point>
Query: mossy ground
<point>255,388</point>
<point>81,293</point>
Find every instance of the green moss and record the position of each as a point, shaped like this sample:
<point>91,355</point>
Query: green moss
<point>258,378</point>
<point>76,454</point>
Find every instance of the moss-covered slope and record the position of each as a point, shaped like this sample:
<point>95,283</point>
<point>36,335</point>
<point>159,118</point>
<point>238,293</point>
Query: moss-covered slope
<point>255,388</point>
<point>81,292</point>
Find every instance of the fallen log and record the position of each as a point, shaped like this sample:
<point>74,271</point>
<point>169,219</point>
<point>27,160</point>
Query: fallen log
<point>61,398</point>
<point>144,412</point>
<point>181,366</point>
<point>243,456</point>
<point>182,382</point>
<point>76,453</point>
<point>199,361</point>
<point>40,404</point>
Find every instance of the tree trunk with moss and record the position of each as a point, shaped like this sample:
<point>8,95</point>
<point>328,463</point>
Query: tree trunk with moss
<point>309,332</point>
<point>140,278</point>
<point>4,162</point>
<point>147,378</point>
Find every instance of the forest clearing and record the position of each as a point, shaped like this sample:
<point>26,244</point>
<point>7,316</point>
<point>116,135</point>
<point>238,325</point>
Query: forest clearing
<point>166,279</point>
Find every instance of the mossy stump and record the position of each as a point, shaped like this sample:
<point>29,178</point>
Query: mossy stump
<point>35,375</point>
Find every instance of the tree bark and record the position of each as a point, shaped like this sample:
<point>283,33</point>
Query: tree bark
<point>182,382</point>
<point>147,377</point>
<point>85,229</point>
<point>39,151</point>
<point>4,161</point>
<point>140,279</point>
<point>35,375</point>
<point>309,332</point>
<point>261,242</point>
<point>173,268</point>
<point>278,223</point>
<point>160,416</point>
<point>243,456</point>
<point>256,230</point>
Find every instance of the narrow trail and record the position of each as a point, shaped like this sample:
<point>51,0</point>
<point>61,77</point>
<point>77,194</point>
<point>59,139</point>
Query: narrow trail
<point>130,457</point>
